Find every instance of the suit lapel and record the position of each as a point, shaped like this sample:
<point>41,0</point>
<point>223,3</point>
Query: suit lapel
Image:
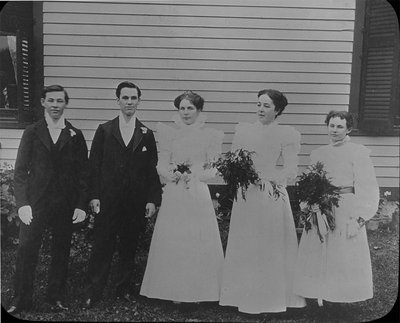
<point>43,134</point>
<point>65,135</point>
<point>116,132</point>
<point>137,135</point>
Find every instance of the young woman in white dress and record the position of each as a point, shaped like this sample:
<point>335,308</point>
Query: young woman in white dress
<point>339,270</point>
<point>185,258</point>
<point>262,242</point>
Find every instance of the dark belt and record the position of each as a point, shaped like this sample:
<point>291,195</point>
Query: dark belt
<point>346,189</point>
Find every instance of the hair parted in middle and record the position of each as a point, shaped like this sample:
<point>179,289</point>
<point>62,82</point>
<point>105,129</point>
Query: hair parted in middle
<point>55,88</point>
<point>342,115</point>
<point>127,84</point>
<point>279,99</point>
<point>191,96</point>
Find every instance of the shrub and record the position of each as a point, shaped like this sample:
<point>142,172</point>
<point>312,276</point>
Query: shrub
<point>9,213</point>
<point>387,214</point>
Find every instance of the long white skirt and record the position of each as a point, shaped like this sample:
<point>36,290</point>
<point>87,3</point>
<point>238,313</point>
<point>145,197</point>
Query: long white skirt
<point>338,270</point>
<point>260,256</point>
<point>185,258</point>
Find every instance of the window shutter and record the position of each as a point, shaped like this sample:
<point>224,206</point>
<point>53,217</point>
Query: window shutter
<point>379,94</point>
<point>24,76</point>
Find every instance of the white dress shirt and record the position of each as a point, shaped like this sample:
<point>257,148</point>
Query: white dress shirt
<point>126,128</point>
<point>54,127</point>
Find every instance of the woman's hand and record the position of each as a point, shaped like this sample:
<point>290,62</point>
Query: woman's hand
<point>176,176</point>
<point>315,208</point>
<point>304,206</point>
<point>186,178</point>
<point>352,228</point>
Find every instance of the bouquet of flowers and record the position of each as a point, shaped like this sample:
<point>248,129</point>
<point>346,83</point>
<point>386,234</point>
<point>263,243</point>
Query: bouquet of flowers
<point>184,169</point>
<point>314,188</point>
<point>237,170</point>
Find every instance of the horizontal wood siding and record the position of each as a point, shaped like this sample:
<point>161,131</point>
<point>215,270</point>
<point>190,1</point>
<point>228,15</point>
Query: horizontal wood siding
<point>226,50</point>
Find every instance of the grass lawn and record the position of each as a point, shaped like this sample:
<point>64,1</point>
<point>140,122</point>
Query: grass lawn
<point>385,259</point>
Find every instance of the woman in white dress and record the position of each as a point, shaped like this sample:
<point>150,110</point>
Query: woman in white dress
<point>262,242</point>
<point>339,270</point>
<point>185,258</point>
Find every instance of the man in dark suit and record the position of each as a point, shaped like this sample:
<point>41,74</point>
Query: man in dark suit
<point>126,186</point>
<point>51,191</point>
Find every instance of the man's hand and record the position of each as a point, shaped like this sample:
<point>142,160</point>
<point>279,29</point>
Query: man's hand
<point>150,210</point>
<point>25,214</point>
<point>79,216</point>
<point>95,206</point>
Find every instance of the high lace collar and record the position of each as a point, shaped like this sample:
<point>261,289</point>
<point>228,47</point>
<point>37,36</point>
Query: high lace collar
<point>271,125</point>
<point>199,123</point>
<point>340,142</point>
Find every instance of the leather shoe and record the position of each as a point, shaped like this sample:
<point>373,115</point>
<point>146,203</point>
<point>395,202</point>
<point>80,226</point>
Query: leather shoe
<point>88,303</point>
<point>59,306</point>
<point>15,309</point>
<point>128,297</point>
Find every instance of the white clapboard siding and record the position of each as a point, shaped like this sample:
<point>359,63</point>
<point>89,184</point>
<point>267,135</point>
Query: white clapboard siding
<point>200,53</point>
<point>226,50</point>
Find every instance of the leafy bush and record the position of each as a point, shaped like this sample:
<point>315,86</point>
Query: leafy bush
<point>9,213</point>
<point>388,212</point>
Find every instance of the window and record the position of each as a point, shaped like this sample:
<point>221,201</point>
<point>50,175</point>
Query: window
<point>17,68</point>
<point>374,98</point>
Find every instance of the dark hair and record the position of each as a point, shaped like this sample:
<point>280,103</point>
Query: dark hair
<point>127,84</point>
<point>196,99</point>
<point>279,99</point>
<point>55,88</point>
<point>342,115</point>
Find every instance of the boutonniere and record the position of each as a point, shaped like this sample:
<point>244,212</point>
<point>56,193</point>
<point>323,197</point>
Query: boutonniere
<point>144,130</point>
<point>72,132</point>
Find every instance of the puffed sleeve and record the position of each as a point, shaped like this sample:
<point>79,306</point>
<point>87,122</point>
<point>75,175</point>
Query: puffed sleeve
<point>165,136</point>
<point>215,144</point>
<point>365,185</point>
<point>290,151</point>
<point>290,148</point>
<point>238,138</point>
<point>315,156</point>
<point>214,149</point>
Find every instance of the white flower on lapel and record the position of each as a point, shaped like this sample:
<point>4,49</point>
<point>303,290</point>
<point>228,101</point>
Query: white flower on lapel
<point>144,148</point>
<point>72,132</point>
<point>144,130</point>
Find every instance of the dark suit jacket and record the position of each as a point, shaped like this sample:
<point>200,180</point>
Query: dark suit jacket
<point>34,168</point>
<point>112,171</point>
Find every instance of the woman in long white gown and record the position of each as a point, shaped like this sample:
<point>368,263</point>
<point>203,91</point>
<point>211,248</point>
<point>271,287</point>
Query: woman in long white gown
<point>262,242</point>
<point>185,258</point>
<point>339,270</point>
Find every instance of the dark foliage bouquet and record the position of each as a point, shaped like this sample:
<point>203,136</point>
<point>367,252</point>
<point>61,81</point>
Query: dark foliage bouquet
<point>237,170</point>
<point>183,168</point>
<point>315,187</point>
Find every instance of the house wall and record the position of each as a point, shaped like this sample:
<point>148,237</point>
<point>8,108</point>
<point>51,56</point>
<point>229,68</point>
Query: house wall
<point>226,50</point>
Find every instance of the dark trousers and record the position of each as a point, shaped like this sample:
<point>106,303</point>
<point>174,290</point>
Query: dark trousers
<point>117,221</point>
<point>50,211</point>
